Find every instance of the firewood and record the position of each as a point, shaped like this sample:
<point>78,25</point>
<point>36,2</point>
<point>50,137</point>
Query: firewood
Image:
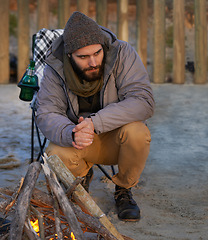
<point>93,223</point>
<point>80,195</point>
<point>71,189</point>
<point>9,202</point>
<point>23,201</point>
<point>57,218</point>
<point>40,222</point>
<point>32,235</point>
<point>63,201</point>
<point>90,222</point>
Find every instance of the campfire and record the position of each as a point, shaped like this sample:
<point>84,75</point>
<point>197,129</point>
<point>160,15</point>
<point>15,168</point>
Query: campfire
<point>64,211</point>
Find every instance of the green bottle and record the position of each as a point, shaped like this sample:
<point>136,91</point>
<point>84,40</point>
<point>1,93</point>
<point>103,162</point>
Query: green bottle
<point>29,83</point>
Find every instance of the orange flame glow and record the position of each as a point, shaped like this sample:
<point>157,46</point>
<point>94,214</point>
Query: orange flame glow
<point>35,226</point>
<point>72,236</point>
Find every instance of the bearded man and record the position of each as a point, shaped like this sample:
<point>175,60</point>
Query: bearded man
<point>94,99</point>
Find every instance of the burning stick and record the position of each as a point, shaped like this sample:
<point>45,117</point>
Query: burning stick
<point>63,201</point>
<point>23,201</point>
<point>40,222</point>
<point>82,198</point>
<point>30,231</point>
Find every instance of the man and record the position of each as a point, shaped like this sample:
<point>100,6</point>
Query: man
<point>93,100</point>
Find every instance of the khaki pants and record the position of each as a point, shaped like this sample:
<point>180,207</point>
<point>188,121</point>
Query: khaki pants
<point>127,146</point>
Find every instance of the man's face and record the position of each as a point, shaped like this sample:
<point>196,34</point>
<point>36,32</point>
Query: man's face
<point>88,62</point>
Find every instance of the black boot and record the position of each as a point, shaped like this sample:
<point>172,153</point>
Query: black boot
<point>87,179</point>
<point>126,206</point>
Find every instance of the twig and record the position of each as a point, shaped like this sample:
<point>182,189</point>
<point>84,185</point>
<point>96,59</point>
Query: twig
<point>71,189</point>
<point>9,202</point>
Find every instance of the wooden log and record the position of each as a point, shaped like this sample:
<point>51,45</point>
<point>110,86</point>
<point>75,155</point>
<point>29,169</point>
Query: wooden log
<point>122,16</point>
<point>159,42</point>
<point>63,12</point>
<point>23,201</point>
<point>141,29</point>
<point>80,195</point>
<point>93,223</point>
<point>23,37</point>
<point>43,14</point>
<point>178,42</point>
<point>200,42</point>
<point>101,12</point>
<point>63,201</point>
<point>4,43</point>
<point>83,6</point>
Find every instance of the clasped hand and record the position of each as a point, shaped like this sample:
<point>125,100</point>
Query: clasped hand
<point>83,133</point>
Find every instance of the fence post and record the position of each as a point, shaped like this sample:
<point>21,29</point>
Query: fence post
<point>159,42</point>
<point>178,42</point>
<point>63,12</point>
<point>101,12</point>
<point>83,6</point>
<point>43,14</point>
<point>141,29</point>
<point>200,42</point>
<point>23,37</point>
<point>4,43</point>
<point>122,16</point>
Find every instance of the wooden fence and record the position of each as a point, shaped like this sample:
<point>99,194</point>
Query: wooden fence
<point>141,23</point>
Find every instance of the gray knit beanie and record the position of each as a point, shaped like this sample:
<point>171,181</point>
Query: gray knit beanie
<point>81,31</point>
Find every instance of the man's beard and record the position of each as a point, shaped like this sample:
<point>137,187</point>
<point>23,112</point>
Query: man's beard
<point>82,73</point>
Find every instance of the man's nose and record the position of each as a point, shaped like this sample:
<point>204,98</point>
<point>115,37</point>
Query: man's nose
<point>92,62</point>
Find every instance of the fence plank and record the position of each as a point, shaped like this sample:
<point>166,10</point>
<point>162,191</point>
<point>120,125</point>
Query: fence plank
<point>179,42</point>
<point>83,6</point>
<point>200,42</point>
<point>141,29</point>
<point>122,16</point>
<point>101,12</point>
<point>23,37</point>
<point>159,41</point>
<point>4,43</point>
<point>63,12</point>
<point>43,14</point>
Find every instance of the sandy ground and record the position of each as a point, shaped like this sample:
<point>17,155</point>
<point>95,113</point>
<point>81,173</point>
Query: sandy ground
<point>172,193</point>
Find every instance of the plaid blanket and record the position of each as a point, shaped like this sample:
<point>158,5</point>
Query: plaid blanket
<point>43,40</point>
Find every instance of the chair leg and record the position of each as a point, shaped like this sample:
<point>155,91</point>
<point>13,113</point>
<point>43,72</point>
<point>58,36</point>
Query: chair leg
<point>32,140</point>
<point>103,170</point>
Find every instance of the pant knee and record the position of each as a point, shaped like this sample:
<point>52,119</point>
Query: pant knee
<point>135,132</point>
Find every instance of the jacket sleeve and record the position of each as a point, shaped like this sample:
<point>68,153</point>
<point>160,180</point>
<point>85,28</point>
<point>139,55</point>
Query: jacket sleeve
<point>51,104</point>
<point>135,96</point>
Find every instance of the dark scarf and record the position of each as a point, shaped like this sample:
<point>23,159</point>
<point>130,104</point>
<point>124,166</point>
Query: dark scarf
<point>79,87</point>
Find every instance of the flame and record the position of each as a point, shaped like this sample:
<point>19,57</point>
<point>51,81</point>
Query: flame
<point>35,226</point>
<point>72,236</point>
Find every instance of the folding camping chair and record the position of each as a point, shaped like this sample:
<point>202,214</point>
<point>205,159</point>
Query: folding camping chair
<point>42,40</point>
